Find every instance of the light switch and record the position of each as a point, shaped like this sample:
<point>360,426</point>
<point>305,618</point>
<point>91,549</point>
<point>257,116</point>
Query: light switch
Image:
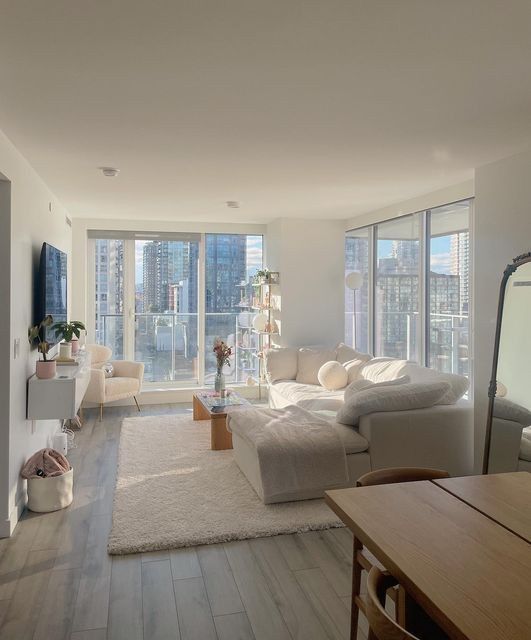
<point>16,348</point>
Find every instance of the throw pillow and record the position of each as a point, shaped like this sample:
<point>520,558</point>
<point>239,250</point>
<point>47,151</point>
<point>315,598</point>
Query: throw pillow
<point>344,354</point>
<point>280,364</point>
<point>353,368</point>
<point>108,370</point>
<point>309,363</point>
<point>402,397</point>
<point>332,376</point>
<point>362,385</point>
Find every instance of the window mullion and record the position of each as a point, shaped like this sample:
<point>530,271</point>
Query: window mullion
<point>201,310</point>
<point>129,300</point>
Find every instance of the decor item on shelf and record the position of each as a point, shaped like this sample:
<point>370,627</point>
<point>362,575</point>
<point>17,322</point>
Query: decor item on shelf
<point>261,276</point>
<point>68,331</point>
<point>260,322</point>
<point>44,368</point>
<point>223,353</point>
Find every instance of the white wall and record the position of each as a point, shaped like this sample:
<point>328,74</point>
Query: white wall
<point>36,217</point>
<point>502,231</point>
<point>454,193</point>
<point>310,255</point>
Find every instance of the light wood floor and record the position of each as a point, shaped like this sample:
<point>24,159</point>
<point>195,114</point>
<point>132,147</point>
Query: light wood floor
<point>57,581</point>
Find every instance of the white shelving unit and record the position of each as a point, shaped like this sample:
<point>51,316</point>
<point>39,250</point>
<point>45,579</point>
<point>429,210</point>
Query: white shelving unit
<point>59,398</point>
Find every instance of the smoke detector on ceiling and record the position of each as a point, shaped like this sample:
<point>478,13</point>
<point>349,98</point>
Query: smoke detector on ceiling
<point>109,172</point>
<point>233,204</point>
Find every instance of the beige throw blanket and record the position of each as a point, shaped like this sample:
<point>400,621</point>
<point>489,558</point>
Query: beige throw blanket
<point>296,449</point>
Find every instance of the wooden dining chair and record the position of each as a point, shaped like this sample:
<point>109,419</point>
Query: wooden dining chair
<point>361,562</point>
<point>381,625</point>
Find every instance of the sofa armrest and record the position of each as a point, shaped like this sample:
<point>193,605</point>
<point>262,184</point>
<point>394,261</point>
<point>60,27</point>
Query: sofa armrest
<point>439,437</point>
<point>96,387</point>
<point>128,369</point>
<point>504,445</point>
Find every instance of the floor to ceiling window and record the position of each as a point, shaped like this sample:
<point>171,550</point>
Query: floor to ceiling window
<point>163,299</point>
<point>412,299</point>
<point>397,319</point>
<point>449,289</point>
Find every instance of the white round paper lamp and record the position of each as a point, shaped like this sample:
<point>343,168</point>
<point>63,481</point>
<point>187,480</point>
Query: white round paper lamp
<point>354,280</point>
<point>260,322</point>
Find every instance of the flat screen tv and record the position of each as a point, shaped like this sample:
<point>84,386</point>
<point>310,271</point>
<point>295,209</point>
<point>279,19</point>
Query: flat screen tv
<point>52,287</point>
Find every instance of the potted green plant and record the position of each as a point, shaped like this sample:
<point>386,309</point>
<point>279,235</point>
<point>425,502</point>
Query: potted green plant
<point>69,332</point>
<point>261,276</point>
<point>44,368</point>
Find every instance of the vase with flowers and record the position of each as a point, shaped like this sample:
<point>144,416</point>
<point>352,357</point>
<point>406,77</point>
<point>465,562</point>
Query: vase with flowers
<point>223,353</point>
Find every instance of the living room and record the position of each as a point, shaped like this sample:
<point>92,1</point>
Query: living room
<point>283,229</point>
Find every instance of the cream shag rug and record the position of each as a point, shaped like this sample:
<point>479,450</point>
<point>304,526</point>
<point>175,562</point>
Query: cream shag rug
<point>173,491</point>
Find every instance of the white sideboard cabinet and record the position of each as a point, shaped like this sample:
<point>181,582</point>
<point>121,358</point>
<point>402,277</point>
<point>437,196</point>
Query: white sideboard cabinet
<point>60,397</point>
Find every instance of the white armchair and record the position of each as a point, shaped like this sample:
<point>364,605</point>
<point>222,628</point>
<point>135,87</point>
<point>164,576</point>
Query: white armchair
<point>125,382</point>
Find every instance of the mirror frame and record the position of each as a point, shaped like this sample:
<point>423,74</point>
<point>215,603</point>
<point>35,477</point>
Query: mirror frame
<point>509,270</point>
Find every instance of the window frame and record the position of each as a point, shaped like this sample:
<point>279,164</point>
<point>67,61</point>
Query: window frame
<point>424,279</point>
<point>129,238</point>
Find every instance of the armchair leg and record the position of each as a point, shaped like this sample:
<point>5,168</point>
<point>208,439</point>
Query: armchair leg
<point>136,402</point>
<point>101,411</point>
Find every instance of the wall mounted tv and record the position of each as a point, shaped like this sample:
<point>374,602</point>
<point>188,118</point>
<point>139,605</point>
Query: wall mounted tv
<point>52,287</point>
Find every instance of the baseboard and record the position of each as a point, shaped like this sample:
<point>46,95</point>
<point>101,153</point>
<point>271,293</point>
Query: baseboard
<point>8,526</point>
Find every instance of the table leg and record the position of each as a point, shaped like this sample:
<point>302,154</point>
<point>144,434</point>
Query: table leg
<point>220,437</point>
<point>356,588</point>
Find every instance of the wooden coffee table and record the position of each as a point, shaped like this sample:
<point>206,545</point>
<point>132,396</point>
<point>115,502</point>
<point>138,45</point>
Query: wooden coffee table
<point>209,406</point>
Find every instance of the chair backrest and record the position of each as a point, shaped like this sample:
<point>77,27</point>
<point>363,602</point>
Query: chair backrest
<point>400,474</point>
<point>100,354</point>
<point>382,626</point>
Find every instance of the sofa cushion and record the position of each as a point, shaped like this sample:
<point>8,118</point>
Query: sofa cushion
<point>120,386</point>
<point>362,385</point>
<point>391,398</point>
<point>280,364</point>
<point>351,439</point>
<point>344,353</point>
<point>381,369</point>
<point>332,376</point>
<point>508,410</point>
<point>309,363</point>
<point>309,396</point>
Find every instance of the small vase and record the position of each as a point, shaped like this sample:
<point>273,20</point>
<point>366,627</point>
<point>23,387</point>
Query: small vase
<point>45,369</point>
<point>75,345</point>
<point>219,383</point>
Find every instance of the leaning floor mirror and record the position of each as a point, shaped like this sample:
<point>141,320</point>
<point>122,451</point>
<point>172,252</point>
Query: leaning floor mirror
<point>508,433</point>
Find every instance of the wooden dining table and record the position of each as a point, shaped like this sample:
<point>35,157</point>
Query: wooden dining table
<point>461,547</point>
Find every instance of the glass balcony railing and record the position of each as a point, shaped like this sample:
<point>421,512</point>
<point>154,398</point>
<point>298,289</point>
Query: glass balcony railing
<point>396,336</point>
<point>168,345</point>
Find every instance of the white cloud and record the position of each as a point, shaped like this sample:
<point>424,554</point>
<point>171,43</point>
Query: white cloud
<point>441,262</point>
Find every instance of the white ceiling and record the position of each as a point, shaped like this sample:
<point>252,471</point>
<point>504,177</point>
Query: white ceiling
<point>305,108</point>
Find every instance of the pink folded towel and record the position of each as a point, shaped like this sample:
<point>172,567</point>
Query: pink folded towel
<point>46,463</point>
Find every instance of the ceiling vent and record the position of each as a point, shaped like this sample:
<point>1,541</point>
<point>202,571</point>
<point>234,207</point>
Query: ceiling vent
<point>233,204</point>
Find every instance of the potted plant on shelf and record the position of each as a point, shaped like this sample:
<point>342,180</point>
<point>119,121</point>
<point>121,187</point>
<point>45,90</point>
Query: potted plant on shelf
<point>261,276</point>
<point>69,332</point>
<point>223,353</point>
<point>44,368</point>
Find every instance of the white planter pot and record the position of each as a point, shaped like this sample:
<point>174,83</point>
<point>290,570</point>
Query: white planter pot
<point>50,494</point>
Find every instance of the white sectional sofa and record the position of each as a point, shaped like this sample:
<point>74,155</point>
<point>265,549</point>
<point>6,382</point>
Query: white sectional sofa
<point>439,436</point>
